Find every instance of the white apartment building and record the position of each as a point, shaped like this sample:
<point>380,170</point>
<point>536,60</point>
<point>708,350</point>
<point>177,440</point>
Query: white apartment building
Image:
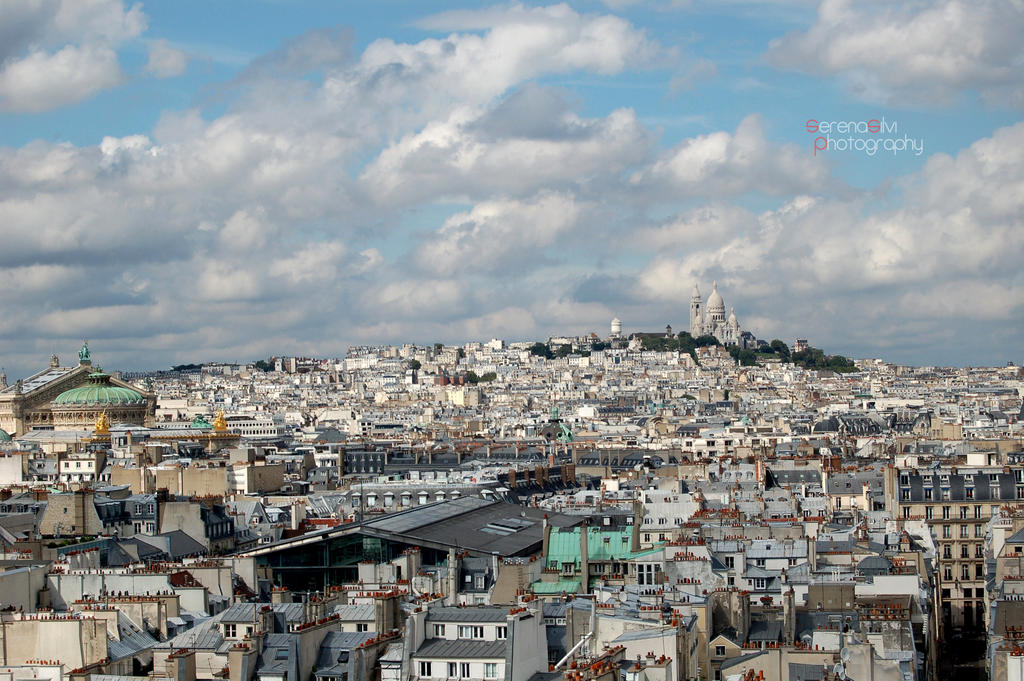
<point>478,643</point>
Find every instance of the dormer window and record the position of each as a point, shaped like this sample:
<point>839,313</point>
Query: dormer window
<point>471,632</point>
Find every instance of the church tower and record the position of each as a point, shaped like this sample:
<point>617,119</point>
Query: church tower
<point>696,313</point>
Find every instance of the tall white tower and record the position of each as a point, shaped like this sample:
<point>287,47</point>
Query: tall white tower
<point>616,328</point>
<point>696,313</point>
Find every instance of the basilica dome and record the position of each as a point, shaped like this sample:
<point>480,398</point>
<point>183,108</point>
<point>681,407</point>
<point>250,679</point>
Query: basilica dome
<point>715,302</point>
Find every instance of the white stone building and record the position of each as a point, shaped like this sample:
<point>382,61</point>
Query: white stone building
<point>711,321</point>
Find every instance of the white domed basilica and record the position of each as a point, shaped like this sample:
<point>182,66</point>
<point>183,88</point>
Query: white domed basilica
<point>711,321</point>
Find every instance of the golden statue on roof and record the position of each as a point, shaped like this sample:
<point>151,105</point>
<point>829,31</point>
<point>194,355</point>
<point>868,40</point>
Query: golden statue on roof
<point>102,424</point>
<point>220,425</point>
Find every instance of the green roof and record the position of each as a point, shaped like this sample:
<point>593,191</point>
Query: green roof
<point>99,391</point>
<point>569,586</point>
<point>564,545</point>
<point>4,437</point>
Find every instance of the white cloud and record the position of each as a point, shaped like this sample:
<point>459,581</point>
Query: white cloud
<point>220,281</point>
<point>978,300</point>
<point>309,220</point>
<point>508,322</point>
<point>246,230</point>
<point>107,21</point>
<point>695,227</point>
<point>42,81</point>
<point>59,52</point>
<point>30,25</point>
<point>911,52</point>
<point>83,321</point>
<point>945,259</point>
<point>40,165</point>
<point>166,61</point>
<point>728,164</point>
<point>412,299</point>
<point>316,262</point>
<point>499,236</point>
<point>26,280</point>
<point>323,48</point>
<point>517,44</point>
<point>515,148</point>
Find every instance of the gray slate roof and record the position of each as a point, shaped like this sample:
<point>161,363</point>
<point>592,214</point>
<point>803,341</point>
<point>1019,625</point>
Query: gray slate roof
<point>132,640</point>
<point>354,613</point>
<point>455,650</point>
<point>475,614</point>
<point>334,657</point>
<point>805,672</point>
<point>204,636</point>
<point>765,631</point>
<point>1017,537</point>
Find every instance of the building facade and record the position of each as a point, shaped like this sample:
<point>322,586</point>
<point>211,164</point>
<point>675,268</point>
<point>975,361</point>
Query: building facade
<point>956,504</point>
<point>71,398</point>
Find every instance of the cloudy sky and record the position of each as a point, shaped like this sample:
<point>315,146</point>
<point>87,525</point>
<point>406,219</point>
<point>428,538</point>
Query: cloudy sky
<point>210,180</point>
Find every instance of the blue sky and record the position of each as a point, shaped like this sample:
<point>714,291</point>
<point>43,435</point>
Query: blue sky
<point>194,181</point>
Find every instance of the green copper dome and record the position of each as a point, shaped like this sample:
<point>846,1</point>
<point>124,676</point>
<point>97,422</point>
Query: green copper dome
<point>4,437</point>
<point>99,391</point>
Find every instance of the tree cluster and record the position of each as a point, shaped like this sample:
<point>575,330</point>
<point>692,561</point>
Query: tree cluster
<point>563,351</point>
<point>186,367</point>
<point>748,357</point>
<point>813,358</point>
<point>539,349</point>
<point>681,342</point>
<point>743,356</point>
